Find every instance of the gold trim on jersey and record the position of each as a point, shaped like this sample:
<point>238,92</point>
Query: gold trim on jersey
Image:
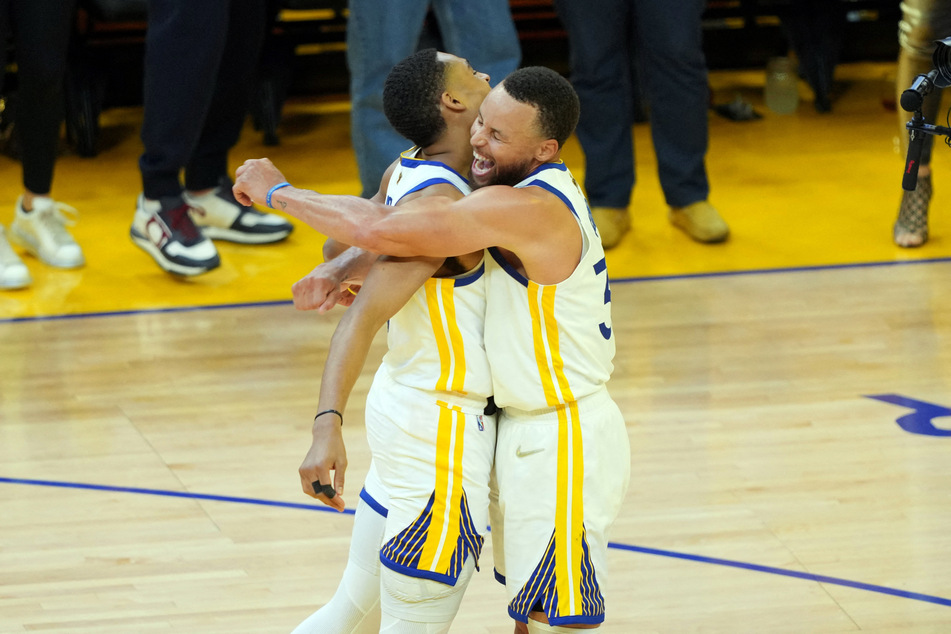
<point>452,353</point>
<point>444,525</point>
<point>569,511</point>
<point>436,544</point>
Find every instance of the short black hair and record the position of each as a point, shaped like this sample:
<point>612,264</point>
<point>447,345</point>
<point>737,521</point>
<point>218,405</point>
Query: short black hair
<point>554,97</point>
<point>411,97</point>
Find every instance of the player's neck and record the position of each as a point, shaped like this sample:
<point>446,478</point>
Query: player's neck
<point>451,148</point>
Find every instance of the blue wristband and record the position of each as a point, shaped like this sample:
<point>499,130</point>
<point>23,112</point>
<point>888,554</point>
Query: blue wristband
<point>272,190</point>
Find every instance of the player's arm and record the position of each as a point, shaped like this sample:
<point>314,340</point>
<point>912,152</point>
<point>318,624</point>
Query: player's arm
<point>388,286</point>
<point>333,282</point>
<point>524,220</point>
<point>342,271</point>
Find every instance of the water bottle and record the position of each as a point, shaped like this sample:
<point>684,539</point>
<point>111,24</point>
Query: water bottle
<point>782,89</point>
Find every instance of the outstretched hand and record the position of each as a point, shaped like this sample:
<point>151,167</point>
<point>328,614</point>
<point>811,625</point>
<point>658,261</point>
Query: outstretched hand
<point>253,179</point>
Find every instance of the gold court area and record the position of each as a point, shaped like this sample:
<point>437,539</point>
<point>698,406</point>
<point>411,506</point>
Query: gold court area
<point>786,393</point>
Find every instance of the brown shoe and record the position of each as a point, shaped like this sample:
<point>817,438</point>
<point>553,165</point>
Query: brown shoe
<point>612,224</point>
<point>701,221</point>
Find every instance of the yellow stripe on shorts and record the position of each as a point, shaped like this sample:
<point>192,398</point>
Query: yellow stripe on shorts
<point>569,511</point>
<point>443,531</point>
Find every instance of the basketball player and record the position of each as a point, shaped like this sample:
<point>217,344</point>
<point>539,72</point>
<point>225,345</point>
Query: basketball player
<point>563,455</point>
<point>424,518</point>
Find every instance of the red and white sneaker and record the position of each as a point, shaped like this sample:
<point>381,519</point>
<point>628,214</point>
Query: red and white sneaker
<point>164,229</point>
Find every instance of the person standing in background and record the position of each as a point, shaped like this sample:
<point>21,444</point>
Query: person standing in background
<point>41,30</point>
<point>380,33</point>
<point>668,37</point>
<point>923,21</point>
<point>200,64</point>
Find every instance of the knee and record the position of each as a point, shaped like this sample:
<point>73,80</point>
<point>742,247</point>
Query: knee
<point>411,591</point>
<point>420,599</point>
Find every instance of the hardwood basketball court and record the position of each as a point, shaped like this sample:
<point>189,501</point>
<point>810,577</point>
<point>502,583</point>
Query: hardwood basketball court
<point>786,393</point>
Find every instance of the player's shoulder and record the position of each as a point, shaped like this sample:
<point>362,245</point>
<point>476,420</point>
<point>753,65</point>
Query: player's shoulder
<point>440,190</point>
<point>507,195</point>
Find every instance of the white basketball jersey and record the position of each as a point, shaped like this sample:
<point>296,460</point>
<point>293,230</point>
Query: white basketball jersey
<point>436,340</point>
<point>550,344</point>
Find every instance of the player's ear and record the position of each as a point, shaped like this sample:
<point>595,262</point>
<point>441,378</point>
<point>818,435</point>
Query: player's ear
<point>448,101</point>
<point>546,151</point>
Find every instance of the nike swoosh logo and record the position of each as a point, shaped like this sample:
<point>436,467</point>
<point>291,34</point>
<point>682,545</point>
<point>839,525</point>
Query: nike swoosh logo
<point>521,454</point>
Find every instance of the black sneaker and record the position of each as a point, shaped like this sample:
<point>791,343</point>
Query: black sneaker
<point>164,230</point>
<point>221,217</point>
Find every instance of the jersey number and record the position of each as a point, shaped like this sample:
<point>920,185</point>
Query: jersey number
<point>602,267</point>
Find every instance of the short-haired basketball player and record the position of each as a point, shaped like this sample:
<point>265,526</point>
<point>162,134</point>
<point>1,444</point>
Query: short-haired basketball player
<point>563,456</point>
<point>424,507</point>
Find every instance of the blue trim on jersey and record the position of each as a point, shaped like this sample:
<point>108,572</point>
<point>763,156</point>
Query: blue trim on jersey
<point>498,576</point>
<point>372,503</point>
<point>412,163</point>
<point>468,278</point>
<point>560,165</point>
<point>563,620</point>
<point>511,270</point>
<point>410,571</point>
<point>557,192</point>
<point>429,183</point>
<point>402,552</point>
<point>540,592</point>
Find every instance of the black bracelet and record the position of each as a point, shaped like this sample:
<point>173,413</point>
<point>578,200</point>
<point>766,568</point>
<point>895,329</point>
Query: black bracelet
<point>330,411</point>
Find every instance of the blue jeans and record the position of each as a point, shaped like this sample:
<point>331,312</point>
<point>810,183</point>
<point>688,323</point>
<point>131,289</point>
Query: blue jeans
<point>381,33</point>
<point>668,38</point>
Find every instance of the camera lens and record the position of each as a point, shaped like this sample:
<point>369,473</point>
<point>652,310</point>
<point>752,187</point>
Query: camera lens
<point>942,62</point>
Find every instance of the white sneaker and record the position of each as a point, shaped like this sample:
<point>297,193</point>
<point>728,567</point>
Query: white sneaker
<point>43,232</point>
<point>13,273</point>
<point>221,217</point>
<point>164,230</point>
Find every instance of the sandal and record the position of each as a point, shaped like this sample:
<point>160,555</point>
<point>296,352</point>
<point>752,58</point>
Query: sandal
<point>911,227</point>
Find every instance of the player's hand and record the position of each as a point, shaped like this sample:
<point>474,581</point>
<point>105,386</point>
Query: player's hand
<point>323,288</point>
<point>253,180</point>
<point>327,453</point>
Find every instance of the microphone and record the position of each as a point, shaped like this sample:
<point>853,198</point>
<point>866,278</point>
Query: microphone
<point>912,98</point>
<point>917,141</point>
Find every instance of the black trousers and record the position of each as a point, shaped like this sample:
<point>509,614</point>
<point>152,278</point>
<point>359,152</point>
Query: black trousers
<point>41,30</point>
<point>201,60</point>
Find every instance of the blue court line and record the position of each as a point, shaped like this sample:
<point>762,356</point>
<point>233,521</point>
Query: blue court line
<point>172,494</point>
<point>793,269</point>
<point>149,311</point>
<point>618,280</point>
<point>917,596</point>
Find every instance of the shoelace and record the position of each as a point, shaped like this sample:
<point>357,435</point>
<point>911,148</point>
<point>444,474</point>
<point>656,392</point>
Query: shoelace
<point>179,220</point>
<point>55,220</point>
